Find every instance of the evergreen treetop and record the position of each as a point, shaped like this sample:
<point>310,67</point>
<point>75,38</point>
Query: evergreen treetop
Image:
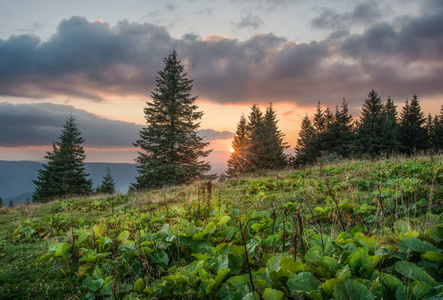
<point>306,149</point>
<point>107,185</point>
<point>369,134</point>
<point>413,132</point>
<point>237,161</point>
<point>256,137</point>
<point>64,173</point>
<point>170,147</point>
<point>274,146</point>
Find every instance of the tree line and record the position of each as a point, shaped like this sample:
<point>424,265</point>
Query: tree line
<point>171,152</point>
<point>379,131</point>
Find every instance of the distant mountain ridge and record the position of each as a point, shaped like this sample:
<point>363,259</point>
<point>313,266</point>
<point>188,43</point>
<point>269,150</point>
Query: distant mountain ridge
<point>16,177</point>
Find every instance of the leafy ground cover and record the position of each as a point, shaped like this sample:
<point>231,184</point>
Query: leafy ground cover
<point>355,230</point>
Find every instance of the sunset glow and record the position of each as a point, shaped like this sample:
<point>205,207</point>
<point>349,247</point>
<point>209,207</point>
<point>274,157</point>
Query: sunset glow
<point>232,150</point>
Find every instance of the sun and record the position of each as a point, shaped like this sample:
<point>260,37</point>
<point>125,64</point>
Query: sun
<point>232,150</point>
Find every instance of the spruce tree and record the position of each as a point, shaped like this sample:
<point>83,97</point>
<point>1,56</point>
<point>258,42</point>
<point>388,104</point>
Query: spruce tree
<point>437,132</point>
<point>64,173</point>
<point>370,129</point>
<point>305,151</point>
<point>1,202</point>
<point>237,161</point>
<point>274,146</point>
<point>413,133</point>
<point>339,134</point>
<point>391,130</point>
<point>108,185</point>
<point>255,137</point>
<point>170,147</point>
<point>11,204</point>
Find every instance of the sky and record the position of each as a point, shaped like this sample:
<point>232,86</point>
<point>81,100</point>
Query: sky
<point>98,61</point>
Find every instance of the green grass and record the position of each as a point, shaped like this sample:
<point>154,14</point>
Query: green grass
<point>338,194</point>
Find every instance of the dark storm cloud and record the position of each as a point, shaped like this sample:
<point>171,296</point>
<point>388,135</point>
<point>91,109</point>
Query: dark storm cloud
<point>92,60</point>
<point>41,125</point>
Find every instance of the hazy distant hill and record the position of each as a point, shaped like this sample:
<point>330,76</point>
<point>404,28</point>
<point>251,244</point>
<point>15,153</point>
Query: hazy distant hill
<point>16,177</point>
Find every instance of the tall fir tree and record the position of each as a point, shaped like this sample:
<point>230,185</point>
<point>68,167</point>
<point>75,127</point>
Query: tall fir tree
<point>273,142</point>
<point>64,173</point>
<point>107,185</point>
<point>339,134</point>
<point>391,129</point>
<point>369,138</point>
<point>171,148</point>
<point>306,148</point>
<point>237,162</point>
<point>1,202</point>
<point>256,137</point>
<point>320,126</point>
<point>413,132</point>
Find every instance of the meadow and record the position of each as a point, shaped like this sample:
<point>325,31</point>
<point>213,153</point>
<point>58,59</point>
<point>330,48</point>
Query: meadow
<point>344,230</point>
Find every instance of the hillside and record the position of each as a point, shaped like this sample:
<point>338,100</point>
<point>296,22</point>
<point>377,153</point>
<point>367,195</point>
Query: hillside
<point>352,230</point>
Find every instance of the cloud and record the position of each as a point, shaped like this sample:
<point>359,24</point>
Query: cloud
<point>252,21</point>
<point>210,134</point>
<point>41,124</point>
<point>363,13</point>
<point>92,60</point>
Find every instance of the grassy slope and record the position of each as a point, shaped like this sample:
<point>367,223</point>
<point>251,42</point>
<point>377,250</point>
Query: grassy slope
<point>21,277</point>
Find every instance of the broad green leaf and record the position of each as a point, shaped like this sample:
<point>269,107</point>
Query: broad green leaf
<point>436,233</point>
<point>414,291</point>
<point>273,264</point>
<point>107,289</point>
<point>288,265</point>
<point>414,244</point>
<point>351,289</point>
<point>209,229</point>
<point>123,236</point>
<point>223,221</point>
<point>235,263</point>
<point>401,226</point>
<point>412,271</point>
<point>62,249</point>
<point>328,285</point>
<point>251,296</point>
<point>239,281</point>
<point>271,294</point>
<point>413,234</point>
<point>303,282</point>
<point>222,262</point>
<point>220,276</point>
<point>369,243</point>
<point>139,286</point>
<point>92,284</point>
<point>433,256</point>
<point>237,250</point>
<point>160,257</point>
<point>107,240</point>
<point>258,226</point>
<point>228,232</point>
<point>360,262</point>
